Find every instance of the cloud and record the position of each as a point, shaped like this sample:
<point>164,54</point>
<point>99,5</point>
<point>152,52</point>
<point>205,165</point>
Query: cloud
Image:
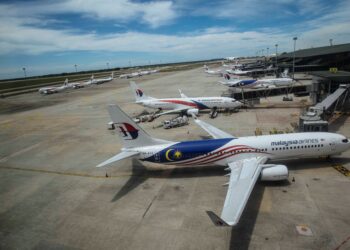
<point>153,13</point>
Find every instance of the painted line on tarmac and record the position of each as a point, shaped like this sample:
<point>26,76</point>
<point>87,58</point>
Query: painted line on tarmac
<point>65,173</point>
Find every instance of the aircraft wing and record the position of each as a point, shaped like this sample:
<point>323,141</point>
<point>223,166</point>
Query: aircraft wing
<point>243,177</point>
<point>213,131</point>
<point>122,155</point>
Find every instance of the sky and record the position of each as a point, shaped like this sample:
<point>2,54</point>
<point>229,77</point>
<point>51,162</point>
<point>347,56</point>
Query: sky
<point>47,37</point>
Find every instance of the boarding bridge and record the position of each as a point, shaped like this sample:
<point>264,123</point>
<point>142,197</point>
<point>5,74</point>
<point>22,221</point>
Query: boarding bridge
<point>316,118</point>
<point>331,99</point>
<point>255,94</point>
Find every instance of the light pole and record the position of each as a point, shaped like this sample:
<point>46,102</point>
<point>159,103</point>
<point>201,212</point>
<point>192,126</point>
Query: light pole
<point>267,51</point>
<point>76,69</point>
<point>276,45</point>
<point>331,42</point>
<point>295,41</point>
<point>24,70</point>
<point>108,65</point>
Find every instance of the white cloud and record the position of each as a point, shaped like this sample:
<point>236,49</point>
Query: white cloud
<point>153,13</point>
<point>25,34</point>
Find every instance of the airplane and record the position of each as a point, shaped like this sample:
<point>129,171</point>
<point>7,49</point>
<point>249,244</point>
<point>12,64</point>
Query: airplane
<point>102,80</point>
<point>247,158</point>
<point>185,104</point>
<point>240,72</point>
<point>257,83</point>
<point>214,72</point>
<point>130,75</point>
<point>230,58</point>
<point>53,89</point>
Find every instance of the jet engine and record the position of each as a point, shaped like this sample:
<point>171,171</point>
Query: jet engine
<point>274,173</point>
<point>192,112</point>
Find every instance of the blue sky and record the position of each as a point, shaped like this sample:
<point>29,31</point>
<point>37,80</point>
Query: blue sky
<point>51,36</point>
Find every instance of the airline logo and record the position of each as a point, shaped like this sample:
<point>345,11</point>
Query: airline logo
<point>128,131</point>
<point>139,92</point>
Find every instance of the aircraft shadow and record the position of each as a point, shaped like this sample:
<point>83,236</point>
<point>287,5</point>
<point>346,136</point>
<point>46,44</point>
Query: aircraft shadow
<point>241,234</point>
<point>140,174</point>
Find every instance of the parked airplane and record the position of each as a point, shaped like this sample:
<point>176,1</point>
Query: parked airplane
<point>245,157</point>
<point>139,73</point>
<point>240,72</point>
<point>101,80</point>
<point>53,89</point>
<point>257,83</point>
<point>214,72</point>
<point>190,106</point>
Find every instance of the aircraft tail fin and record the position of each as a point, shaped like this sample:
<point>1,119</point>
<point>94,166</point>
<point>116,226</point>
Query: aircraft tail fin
<point>182,94</point>
<point>132,135</point>
<point>112,74</point>
<point>285,73</point>
<point>138,92</point>
<point>65,82</point>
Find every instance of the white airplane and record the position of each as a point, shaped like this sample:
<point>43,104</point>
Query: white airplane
<point>214,72</point>
<point>257,83</point>
<point>130,75</point>
<point>246,157</point>
<point>230,58</point>
<point>240,72</point>
<point>53,89</point>
<point>185,104</point>
<point>102,80</point>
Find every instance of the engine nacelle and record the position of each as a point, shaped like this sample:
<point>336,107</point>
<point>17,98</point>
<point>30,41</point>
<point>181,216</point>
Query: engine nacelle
<point>192,112</point>
<point>274,173</point>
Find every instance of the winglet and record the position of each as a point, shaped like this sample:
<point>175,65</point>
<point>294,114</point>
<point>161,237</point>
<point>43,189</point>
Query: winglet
<point>216,219</point>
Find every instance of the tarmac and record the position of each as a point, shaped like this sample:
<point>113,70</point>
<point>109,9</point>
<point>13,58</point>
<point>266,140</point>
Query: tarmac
<point>53,197</point>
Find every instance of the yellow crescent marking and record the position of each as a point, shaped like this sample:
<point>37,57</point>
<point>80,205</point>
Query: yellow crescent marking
<point>167,155</point>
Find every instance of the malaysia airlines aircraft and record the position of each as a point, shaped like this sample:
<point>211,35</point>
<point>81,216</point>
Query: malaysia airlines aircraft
<point>245,157</point>
<point>101,80</point>
<point>185,104</point>
<point>213,72</point>
<point>240,72</point>
<point>53,89</point>
<point>257,83</point>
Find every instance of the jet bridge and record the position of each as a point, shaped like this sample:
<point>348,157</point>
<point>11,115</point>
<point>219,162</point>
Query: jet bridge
<point>316,119</point>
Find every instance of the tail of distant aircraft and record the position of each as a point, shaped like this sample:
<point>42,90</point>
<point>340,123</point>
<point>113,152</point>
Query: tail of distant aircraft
<point>65,82</point>
<point>138,93</point>
<point>227,77</point>
<point>285,73</point>
<point>112,74</point>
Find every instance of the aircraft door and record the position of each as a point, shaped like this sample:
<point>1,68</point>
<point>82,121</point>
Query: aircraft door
<point>333,145</point>
<point>157,157</point>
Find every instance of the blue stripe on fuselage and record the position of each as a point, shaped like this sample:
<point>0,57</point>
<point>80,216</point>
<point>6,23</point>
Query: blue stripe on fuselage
<point>200,105</point>
<point>187,150</point>
<point>246,83</point>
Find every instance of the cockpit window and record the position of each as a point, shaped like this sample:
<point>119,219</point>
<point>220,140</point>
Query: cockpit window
<point>345,140</point>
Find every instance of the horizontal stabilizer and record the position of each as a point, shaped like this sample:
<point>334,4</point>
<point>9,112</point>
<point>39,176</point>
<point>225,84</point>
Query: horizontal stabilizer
<point>216,219</point>
<point>122,155</point>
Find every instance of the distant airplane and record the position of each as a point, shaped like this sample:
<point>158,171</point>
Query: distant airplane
<point>53,89</point>
<point>102,80</point>
<point>245,157</point>
<point>240,72</point>
<point>214,72</point>
<point>190,106</point>
<point>258,83</point>
<point>230,58</point>
<point>139,73</point>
